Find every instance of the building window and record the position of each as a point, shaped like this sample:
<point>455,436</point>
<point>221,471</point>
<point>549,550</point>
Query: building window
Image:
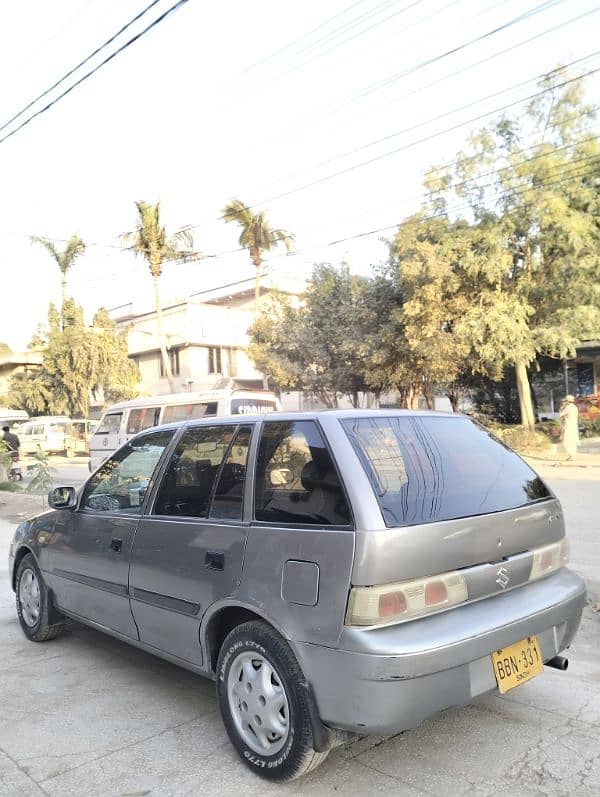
<point>222,360</point>
<point>174,360</point>
<point>214,360</point>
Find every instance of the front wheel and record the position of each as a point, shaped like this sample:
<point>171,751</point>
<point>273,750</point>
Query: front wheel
<point>33,603</point>
<point>263,706</point>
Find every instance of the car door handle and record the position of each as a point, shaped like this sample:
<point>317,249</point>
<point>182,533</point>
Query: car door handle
<point>215,560</point>
<point>116,545</point>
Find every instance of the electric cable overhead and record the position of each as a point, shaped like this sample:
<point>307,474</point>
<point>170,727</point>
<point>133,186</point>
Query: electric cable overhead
<point>411,70</point>
<point>418,141</point>
<point>441,214</point>
<point>78,82</point>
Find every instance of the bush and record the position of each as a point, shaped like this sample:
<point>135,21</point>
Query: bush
<point>549,428</point>
<point>10,487</point>
<point>523,440</point>
<point>590,428</point>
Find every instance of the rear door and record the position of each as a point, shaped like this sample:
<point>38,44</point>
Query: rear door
<point>188,551</point>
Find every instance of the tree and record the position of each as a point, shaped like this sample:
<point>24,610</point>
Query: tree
<point>417,345</point>
<point>320,346</point>
<point>256,236</point>
<point>65,259</point>
<point>150,241</point>
<point>78,362</point>
<point>541,295</point>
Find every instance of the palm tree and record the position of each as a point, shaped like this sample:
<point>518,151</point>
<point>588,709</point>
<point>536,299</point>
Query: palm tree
<point>150,241</point>
<point>65,259</point>
<point>256,236</point>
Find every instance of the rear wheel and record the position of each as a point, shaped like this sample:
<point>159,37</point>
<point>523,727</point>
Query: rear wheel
<point>33,603</point>
<point>264,709</point>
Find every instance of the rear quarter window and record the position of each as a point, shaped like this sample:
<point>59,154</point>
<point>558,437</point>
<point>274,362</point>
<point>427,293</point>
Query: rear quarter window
<point>431,468</point>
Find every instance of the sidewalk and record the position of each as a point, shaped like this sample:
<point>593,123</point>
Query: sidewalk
<point>588,455</point>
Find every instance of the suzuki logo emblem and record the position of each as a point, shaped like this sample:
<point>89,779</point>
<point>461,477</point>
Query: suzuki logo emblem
<point>502,578</point>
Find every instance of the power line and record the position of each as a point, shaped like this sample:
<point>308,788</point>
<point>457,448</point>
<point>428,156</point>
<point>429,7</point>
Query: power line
<point>360,32</point>
<point>119,50</point>
<point>441,214</point>
<point>79,65</point>
<point>547,4</point>
<point>299,39</point>
<point>416,142</point>
<point>445,77</point>
<point>443,115</point>
<point>485,60</point>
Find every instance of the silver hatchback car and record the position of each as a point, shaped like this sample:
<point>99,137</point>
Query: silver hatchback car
<point>334,572</point>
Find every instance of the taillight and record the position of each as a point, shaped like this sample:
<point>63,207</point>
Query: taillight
<point>549,558</point>
<point>393,602</point>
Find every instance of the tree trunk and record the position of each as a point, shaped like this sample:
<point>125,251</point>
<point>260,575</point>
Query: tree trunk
<point>415,392</point>
<point>161,337</point>
<point>63,285</point>
<point>257,260</point>
<point>524,390</point>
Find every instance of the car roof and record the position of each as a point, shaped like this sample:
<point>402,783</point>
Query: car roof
<point>309,415</point>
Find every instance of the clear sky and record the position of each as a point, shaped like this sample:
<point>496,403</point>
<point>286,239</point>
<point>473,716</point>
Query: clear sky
<point>249,99</point>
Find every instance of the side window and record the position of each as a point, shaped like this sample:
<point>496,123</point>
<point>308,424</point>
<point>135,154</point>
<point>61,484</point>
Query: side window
<point>186,412</point>
<point>110,424</point>
<point>229,493</point>
<point>188,482</point>
<point>142,418</point>
<point>121,483</point>
<point>296,481</point>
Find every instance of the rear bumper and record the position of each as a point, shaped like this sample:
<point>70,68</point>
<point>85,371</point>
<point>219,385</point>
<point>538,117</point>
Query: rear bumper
<point>385,680</point>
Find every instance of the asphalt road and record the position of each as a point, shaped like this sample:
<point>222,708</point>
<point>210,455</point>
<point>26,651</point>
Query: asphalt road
<point>88,715</point>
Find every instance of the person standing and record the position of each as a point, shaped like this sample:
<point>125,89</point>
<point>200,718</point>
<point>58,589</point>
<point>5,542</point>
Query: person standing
<point>569,422</point>
<point>11,440</point>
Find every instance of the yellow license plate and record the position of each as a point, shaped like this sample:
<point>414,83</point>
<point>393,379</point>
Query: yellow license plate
<point>517,663</point>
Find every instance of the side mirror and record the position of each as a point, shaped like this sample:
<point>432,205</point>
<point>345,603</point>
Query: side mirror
<point>281,476</point>
<point>62,498</point>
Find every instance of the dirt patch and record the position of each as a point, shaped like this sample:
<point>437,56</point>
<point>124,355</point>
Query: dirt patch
<point>16,507</point>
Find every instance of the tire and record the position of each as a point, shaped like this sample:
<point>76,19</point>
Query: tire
<point>33,603</point>
<point>254,658</point>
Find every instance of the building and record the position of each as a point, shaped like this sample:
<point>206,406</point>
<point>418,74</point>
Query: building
<point>17,362</point>
<point>206,336</point>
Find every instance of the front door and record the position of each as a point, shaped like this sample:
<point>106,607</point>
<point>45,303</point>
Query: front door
<point>188,552</point>
<point>88,559</point>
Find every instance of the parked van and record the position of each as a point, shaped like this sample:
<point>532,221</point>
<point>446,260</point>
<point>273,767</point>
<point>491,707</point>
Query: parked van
<point>122,421</point>
<point>83,429</point>
<point>50,434</point>
<point>12,418</point>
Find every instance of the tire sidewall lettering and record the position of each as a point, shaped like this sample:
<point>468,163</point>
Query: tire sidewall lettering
<point>251,757</point>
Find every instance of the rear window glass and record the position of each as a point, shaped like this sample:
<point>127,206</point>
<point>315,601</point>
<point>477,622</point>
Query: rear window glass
<point>425,469</point>
<point>110,424</point>
<point>187,412</point>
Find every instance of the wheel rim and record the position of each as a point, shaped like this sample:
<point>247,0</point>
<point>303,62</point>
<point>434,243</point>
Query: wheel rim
<point>29,597</point>
<point>258,703</point>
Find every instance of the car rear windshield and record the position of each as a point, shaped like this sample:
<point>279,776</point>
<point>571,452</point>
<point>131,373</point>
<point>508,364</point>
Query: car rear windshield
<point>430,468</point>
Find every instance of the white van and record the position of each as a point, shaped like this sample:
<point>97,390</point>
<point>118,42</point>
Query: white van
<point>50,434</point>
<point>122,421</point>
<point>12,418</point>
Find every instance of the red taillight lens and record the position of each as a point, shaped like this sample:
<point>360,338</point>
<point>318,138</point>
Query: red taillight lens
<point>435,592</point>
<point>391,604</point>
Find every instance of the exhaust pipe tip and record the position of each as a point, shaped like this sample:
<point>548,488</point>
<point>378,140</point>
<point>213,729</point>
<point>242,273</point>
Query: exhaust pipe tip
<point>558,662</point>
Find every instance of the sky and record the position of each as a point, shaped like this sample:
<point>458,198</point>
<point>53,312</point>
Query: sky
<point>251,100</point>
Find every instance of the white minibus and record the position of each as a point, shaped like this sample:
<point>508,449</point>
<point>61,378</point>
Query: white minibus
<point>122,421</point>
